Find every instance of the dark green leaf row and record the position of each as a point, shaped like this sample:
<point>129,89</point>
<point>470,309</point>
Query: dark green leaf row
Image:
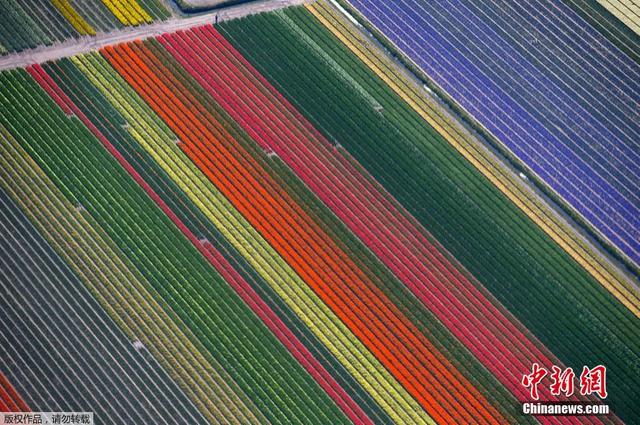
<point>74,159</point>
<point>596,15</point>
<point>557,300</point>
<point>156,9</point>
<point>96,14</point>
<point>49,19</point>
<point>17,30</point>
<point>47,312</point>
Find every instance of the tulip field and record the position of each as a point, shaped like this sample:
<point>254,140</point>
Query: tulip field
<point>561,96</point>
<point>30,23</point>
<point>271,221</point>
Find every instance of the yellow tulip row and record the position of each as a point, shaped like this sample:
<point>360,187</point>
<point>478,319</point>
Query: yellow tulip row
<point>128,12</point>
<point>74,18</point>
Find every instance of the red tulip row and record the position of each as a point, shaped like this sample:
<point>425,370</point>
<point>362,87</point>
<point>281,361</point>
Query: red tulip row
<point>10,400</point>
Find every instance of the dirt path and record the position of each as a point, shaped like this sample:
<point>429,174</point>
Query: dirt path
<point>75,46</point>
